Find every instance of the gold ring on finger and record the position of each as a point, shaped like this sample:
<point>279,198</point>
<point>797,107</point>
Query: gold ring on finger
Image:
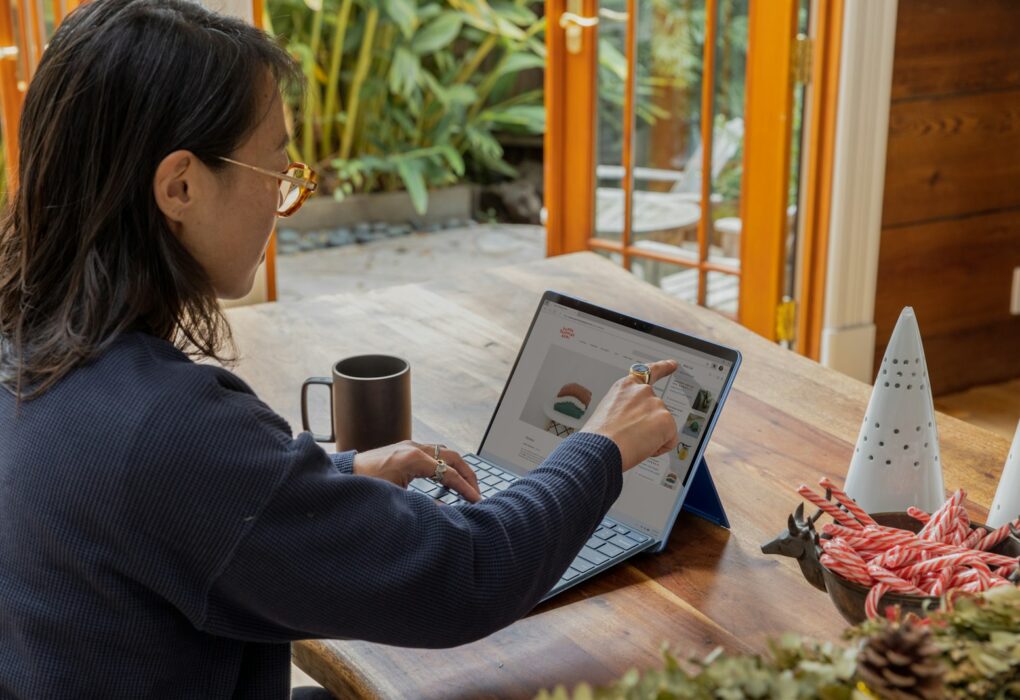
<point>641,372</point>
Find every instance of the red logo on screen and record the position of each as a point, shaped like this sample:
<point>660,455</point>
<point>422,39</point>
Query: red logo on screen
<point>566,332</point>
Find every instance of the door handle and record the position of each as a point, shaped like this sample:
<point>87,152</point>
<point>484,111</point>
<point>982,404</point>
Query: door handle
<point>574,24</point>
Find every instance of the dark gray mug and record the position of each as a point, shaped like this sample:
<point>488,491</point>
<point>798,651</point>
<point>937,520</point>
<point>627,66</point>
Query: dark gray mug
<point>369,402</point>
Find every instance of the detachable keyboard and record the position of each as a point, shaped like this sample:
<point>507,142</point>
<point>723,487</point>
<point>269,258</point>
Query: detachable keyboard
<point>610,543</point>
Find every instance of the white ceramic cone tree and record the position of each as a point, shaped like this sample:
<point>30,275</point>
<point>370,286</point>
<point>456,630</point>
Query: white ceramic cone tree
<point>1006,506</point>
<point>896,464</point>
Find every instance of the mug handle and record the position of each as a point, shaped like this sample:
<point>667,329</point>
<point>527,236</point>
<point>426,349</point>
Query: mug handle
<point>325,381</point>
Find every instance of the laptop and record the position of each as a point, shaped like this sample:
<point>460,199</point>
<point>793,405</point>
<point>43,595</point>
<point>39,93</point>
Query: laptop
<point>571,355</point>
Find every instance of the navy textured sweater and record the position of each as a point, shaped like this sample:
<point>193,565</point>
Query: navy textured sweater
<point>162,534</point>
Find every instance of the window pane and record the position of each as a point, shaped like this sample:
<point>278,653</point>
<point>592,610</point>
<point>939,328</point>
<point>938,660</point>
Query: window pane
<point>667,143</point>
<point>612,80</point>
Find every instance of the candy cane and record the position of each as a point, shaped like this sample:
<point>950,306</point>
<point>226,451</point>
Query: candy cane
<point>918,514</point>
<point>952,502</point>
<point>849,503</point>
<point>840,530</point>
<point>838,515</point>
<point>996,536</point>
<point>894,582</point>
<point>975,536</point>
<point>897,557</point>
<point>935,564</point>
<point>874,596</point>
<point>846,570</point>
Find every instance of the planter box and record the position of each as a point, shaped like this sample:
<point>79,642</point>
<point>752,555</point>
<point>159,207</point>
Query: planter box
<point>320,213</point>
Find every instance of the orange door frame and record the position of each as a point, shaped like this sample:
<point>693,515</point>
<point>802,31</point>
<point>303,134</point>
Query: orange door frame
<point>570,94</point>
<point>768,118</point>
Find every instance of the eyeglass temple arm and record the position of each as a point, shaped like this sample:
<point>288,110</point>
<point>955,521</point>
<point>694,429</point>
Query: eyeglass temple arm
<point>310,185</point>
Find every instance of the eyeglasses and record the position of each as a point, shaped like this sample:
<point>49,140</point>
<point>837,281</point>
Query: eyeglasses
<point>297,183</point>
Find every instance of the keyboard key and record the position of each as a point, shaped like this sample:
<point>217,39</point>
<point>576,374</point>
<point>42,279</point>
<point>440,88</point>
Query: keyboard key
<point>606,523</point>
<point>593,556</point>
<point>603,533</point>
<point>449,497</point>
<point>571,573</point>
<point>610,549</point>
<point>623,542</point>
<point>500,485</point>
<point>471,459</point>
<point>582,565</point>
<point>490,479</point>
<point>621,529</point>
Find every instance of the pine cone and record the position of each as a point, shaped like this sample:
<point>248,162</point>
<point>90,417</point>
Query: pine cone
<point>901,663</point>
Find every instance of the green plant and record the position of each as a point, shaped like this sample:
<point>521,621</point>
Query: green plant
<point>977,644</point>
<point>409,93</point>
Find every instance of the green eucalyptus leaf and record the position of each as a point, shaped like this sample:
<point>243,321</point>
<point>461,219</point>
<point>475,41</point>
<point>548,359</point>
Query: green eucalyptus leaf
<point>437,34</point>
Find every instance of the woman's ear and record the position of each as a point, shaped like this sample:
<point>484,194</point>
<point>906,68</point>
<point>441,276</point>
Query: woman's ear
<point>173,186</point>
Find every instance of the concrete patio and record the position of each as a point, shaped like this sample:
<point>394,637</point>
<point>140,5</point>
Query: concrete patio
<point>416,257</point>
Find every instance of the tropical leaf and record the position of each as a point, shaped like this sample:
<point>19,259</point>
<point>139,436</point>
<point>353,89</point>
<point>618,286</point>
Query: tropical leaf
<point>410,172</point>
<point>453,158</point>
<point>437,34</point>
<point>521,61</point>
<point>404,72</point>
<point>528,117</point>
<point>520,15</point>
<point>404,14</point>
<point>462,95</point>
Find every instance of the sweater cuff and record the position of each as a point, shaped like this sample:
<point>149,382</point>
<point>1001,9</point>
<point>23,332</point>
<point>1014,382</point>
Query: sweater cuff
<point>343,461</point>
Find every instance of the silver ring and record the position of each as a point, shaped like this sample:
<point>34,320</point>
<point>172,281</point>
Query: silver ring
<point>441,468</point>
<point>438,447</point>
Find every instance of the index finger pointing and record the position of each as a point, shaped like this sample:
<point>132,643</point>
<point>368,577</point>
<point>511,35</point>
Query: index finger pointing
<point>660,369</point>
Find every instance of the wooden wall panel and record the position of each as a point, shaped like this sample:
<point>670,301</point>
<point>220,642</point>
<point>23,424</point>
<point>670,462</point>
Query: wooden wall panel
<point>952,156</point>
<point>952,46</point>
<point>957,275</point>
<point>951,215</point>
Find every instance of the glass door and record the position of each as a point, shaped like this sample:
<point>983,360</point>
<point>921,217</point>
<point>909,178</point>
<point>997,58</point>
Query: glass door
<point>671,88</point>
<point>696,145</point>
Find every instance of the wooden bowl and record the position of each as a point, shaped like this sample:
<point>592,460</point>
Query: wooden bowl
<point>849,596</point>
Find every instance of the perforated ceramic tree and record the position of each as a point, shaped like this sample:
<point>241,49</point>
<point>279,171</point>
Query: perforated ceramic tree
<point>895,464</point>
<point>1006,506</point>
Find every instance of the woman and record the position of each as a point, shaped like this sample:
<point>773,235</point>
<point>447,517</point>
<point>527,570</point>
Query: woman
<point>162,534</point>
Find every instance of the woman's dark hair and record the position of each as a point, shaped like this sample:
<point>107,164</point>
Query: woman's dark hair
<point>85,253</point>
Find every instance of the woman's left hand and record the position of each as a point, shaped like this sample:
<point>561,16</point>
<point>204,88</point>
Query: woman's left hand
<point>401,462</point>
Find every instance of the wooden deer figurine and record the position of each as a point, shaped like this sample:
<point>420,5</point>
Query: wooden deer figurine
<point>800,541</point>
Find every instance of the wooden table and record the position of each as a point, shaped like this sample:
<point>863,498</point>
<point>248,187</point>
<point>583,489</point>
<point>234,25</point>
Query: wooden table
<point>787,421</point>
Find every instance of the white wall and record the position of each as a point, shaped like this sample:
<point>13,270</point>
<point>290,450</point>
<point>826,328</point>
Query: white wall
<point>862,125</point>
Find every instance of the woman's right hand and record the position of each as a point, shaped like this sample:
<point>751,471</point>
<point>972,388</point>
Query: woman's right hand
<point>637,420</point>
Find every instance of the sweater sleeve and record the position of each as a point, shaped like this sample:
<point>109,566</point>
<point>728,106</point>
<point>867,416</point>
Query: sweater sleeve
<point>344,461</point>
<point>343,556</point>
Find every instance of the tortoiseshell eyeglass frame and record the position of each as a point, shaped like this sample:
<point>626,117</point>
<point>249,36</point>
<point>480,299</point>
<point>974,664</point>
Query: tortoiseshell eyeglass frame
<point>296,173</point>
